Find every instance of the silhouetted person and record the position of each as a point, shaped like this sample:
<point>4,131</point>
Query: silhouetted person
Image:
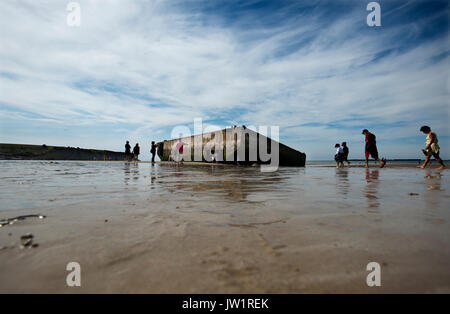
<point>127,150</point>
<point>431,147</point>
<point>136,151</point>
<point>345,154</point>
<point>153,151</point>
<point>371,148</point>
<point>339,156</point>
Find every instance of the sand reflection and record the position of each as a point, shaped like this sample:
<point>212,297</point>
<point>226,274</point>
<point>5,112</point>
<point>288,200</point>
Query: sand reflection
<point>371,188</point>
<point>246,185</point>
<point>342,182</point>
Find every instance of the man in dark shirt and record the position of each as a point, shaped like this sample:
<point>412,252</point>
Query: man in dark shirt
<point>346,151</point>
<point>136,151</point>
<point>127,150</point>
<point>153,151</point>
<point>371,149</point>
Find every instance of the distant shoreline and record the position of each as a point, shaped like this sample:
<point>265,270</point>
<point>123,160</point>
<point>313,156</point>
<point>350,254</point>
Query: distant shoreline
<point>45,152</point>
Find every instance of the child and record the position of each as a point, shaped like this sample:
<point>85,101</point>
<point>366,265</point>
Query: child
<point>339,156</point>
<point>345,155</point>
<point>431,147</point>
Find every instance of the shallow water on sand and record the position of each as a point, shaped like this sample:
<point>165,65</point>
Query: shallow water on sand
<point>31,184</point>
<point>273,232</point>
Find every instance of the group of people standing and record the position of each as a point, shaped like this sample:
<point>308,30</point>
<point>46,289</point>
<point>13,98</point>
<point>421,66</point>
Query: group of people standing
<point>137,150</point>
<point>370,149</point>
<point>341,155</point>
<point>132,155</point>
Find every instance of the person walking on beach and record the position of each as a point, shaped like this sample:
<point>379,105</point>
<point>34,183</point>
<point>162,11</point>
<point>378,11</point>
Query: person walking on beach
<point>153,151</point>
<point>136,151</point>
<point>339,157</point>
<point>431,147</point>
<point>127,150</point>
<point>345,155</point>
<point>371,149</point>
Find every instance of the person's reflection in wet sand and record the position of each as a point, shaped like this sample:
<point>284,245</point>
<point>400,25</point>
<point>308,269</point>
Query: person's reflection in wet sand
<point>179,174</point>
<point>127,172</point>
<point>433,180</point>
<point>153,175</point>
<point>433,184</point>
<point>371,189</point>
<point>135,171</point>
<point>342,182</point>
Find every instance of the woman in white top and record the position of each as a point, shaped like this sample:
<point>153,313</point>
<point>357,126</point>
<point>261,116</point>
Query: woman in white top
<point>431,147</point>
<point>339,157</point>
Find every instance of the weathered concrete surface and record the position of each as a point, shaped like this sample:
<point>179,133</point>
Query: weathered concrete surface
<point>232,141</point>
<point>44,152</point>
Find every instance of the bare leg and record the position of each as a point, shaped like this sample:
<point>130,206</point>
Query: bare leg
<point>367,162</point>
<point>440,162</point>
<point>382,163</point>
<point>427,159</point>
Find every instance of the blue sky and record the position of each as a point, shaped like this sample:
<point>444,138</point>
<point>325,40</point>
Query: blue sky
<point>135,69</point>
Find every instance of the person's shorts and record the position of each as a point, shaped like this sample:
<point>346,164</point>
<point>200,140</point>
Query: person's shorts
<point>344,157</point>
<point>372,151</point>
<point>338,158</point>
<point>430,153</point>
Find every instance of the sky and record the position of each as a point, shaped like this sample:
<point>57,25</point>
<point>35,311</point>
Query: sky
<point>134,69</point>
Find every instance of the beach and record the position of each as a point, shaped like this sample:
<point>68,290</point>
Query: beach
<point>211,228</point>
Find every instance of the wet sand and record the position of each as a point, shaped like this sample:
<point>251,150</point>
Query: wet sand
<point>165,228</point>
